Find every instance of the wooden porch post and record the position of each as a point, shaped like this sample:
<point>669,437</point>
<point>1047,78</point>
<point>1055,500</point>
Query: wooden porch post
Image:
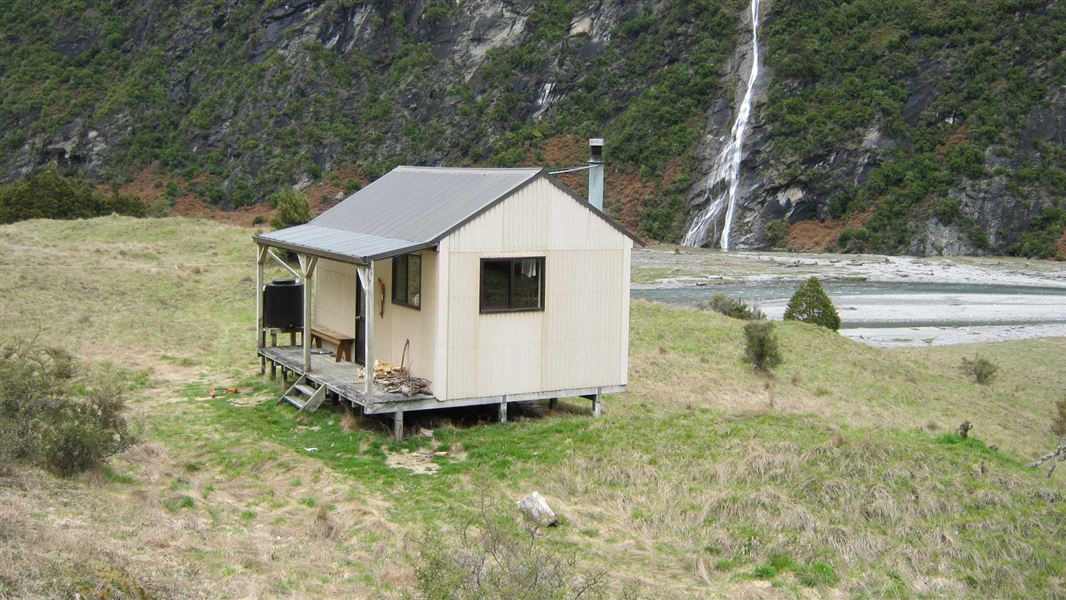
<point>370,290</point>
<point>307,272</point>
<point>260,333</point>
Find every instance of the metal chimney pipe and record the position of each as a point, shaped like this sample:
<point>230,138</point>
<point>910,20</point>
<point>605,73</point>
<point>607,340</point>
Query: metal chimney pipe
<point>596,172</point>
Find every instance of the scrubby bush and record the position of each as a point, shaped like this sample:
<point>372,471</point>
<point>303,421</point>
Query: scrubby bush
<point>761,349</point>
<point>52,417</point>
<point>1058,422</point>
<point>291,208</point>
<point>810,304</point>
<point>731,307</point>
<point>49,195</point>
<point>981,370</point>
<point>490,559</point>
<point>777,233</point>
<point>1043,233</point>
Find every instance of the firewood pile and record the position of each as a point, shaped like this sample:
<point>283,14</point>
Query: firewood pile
<point>395,379</point>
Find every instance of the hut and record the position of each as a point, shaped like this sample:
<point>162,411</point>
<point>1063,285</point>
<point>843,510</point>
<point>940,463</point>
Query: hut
<point>487,286</point>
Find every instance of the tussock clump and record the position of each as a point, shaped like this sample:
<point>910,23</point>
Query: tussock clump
<point>880,506</point>
<point>349,422</point>
<point>981,370</point>
<point>322,526</point>
<point>1058,420</point>
<point>732,307</point>
<point>760,465</point>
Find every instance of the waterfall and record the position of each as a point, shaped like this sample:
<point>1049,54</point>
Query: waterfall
<point>727,163</point>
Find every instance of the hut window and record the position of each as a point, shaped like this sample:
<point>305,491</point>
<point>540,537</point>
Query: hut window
<point>512,284</point>
<point>407,280</point>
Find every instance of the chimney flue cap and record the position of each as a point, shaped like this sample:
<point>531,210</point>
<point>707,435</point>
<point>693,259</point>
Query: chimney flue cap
<point>596,150</point>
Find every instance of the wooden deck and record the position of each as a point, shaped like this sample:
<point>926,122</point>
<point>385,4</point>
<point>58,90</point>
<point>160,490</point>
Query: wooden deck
<point>340,378</point>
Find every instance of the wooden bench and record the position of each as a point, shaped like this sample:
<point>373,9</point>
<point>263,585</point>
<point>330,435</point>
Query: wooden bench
<point>345,343</point>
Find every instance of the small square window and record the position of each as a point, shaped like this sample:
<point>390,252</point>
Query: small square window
<point>512,284</point>
<point>407,280</point>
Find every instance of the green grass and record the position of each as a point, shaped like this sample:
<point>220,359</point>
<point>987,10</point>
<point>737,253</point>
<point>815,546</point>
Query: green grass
<point>840,471</point>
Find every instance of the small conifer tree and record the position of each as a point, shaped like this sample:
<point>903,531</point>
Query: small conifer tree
<point>761,349</point>
<point>291,208</point>
<point>810,304</point>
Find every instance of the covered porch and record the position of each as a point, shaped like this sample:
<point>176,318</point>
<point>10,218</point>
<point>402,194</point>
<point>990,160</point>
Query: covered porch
<point>340,372</point>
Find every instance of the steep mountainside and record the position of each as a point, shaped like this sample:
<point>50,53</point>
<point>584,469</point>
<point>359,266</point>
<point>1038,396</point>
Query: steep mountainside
<point>928,126</point>
<point>912,126</point>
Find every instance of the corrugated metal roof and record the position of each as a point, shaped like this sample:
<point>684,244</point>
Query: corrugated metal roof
<point>407,209</point>
<point>335,243</point>
<point>421,204</point>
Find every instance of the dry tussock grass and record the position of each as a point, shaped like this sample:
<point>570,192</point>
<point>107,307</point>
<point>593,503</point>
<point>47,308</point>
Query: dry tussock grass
<point>240,538</point>
<point>863,505</point>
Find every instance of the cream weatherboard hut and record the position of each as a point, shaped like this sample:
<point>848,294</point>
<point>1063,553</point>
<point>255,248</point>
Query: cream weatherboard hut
<point>496,285</point>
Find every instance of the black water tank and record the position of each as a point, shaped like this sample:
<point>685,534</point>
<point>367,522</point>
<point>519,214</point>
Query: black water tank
<point>283,304</point>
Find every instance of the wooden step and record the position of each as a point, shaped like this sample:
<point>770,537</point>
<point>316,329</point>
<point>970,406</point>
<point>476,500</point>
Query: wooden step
<point>297,402</point>
<point>306,390</point>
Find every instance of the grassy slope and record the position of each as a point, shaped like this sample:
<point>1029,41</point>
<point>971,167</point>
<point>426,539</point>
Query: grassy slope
<point>703,480</point>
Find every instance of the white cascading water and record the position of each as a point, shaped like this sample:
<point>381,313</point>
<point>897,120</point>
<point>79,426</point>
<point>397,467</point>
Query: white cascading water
<point>727,163</point>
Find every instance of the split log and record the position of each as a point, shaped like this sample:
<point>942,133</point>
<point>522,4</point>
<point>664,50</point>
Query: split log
<point>536,508</point>
<point>397,379</point>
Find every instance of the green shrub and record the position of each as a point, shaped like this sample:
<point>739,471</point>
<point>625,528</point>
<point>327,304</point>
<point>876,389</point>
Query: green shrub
<point>981,370</point>
<point>54,418</point>
<point>291,209</point>
<point>761,349</point>
<point>810,304</point>
<point>777,233</point>
<point>731,307</point>
<point>49,195</point>
<point>1044,232</point>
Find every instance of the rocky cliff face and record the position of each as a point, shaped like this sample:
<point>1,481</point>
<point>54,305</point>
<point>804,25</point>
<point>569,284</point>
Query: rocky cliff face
<point>244,98</point>
<point>919,127</point>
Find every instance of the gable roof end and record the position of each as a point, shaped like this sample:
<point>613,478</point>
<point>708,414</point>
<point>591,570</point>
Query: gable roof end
<point>407,209</point>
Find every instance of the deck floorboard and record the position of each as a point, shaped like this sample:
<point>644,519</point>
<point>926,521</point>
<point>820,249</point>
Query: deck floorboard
<point>341,378</point>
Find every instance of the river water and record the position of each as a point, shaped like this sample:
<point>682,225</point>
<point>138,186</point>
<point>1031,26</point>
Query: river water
<point>904,313</point>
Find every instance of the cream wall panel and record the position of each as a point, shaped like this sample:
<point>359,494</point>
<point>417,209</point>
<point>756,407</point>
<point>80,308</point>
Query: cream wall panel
<point>401,323</point>
<point>579,340</point>
<point>440,353</point>
<point>538,216</point>
<point>334,296</point>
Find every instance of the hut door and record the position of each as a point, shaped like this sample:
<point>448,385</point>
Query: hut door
<point>360,323</point>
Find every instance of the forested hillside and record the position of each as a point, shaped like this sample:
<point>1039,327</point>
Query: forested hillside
<point>904,125</point>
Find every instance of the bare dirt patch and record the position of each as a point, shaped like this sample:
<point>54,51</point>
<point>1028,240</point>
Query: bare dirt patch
<point>423,461</point>
<point>817,236</point>
<point>419,462</point>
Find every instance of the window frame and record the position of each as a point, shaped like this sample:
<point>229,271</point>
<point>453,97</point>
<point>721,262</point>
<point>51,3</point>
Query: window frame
<point>407,276</point>
<point>511,260</point>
